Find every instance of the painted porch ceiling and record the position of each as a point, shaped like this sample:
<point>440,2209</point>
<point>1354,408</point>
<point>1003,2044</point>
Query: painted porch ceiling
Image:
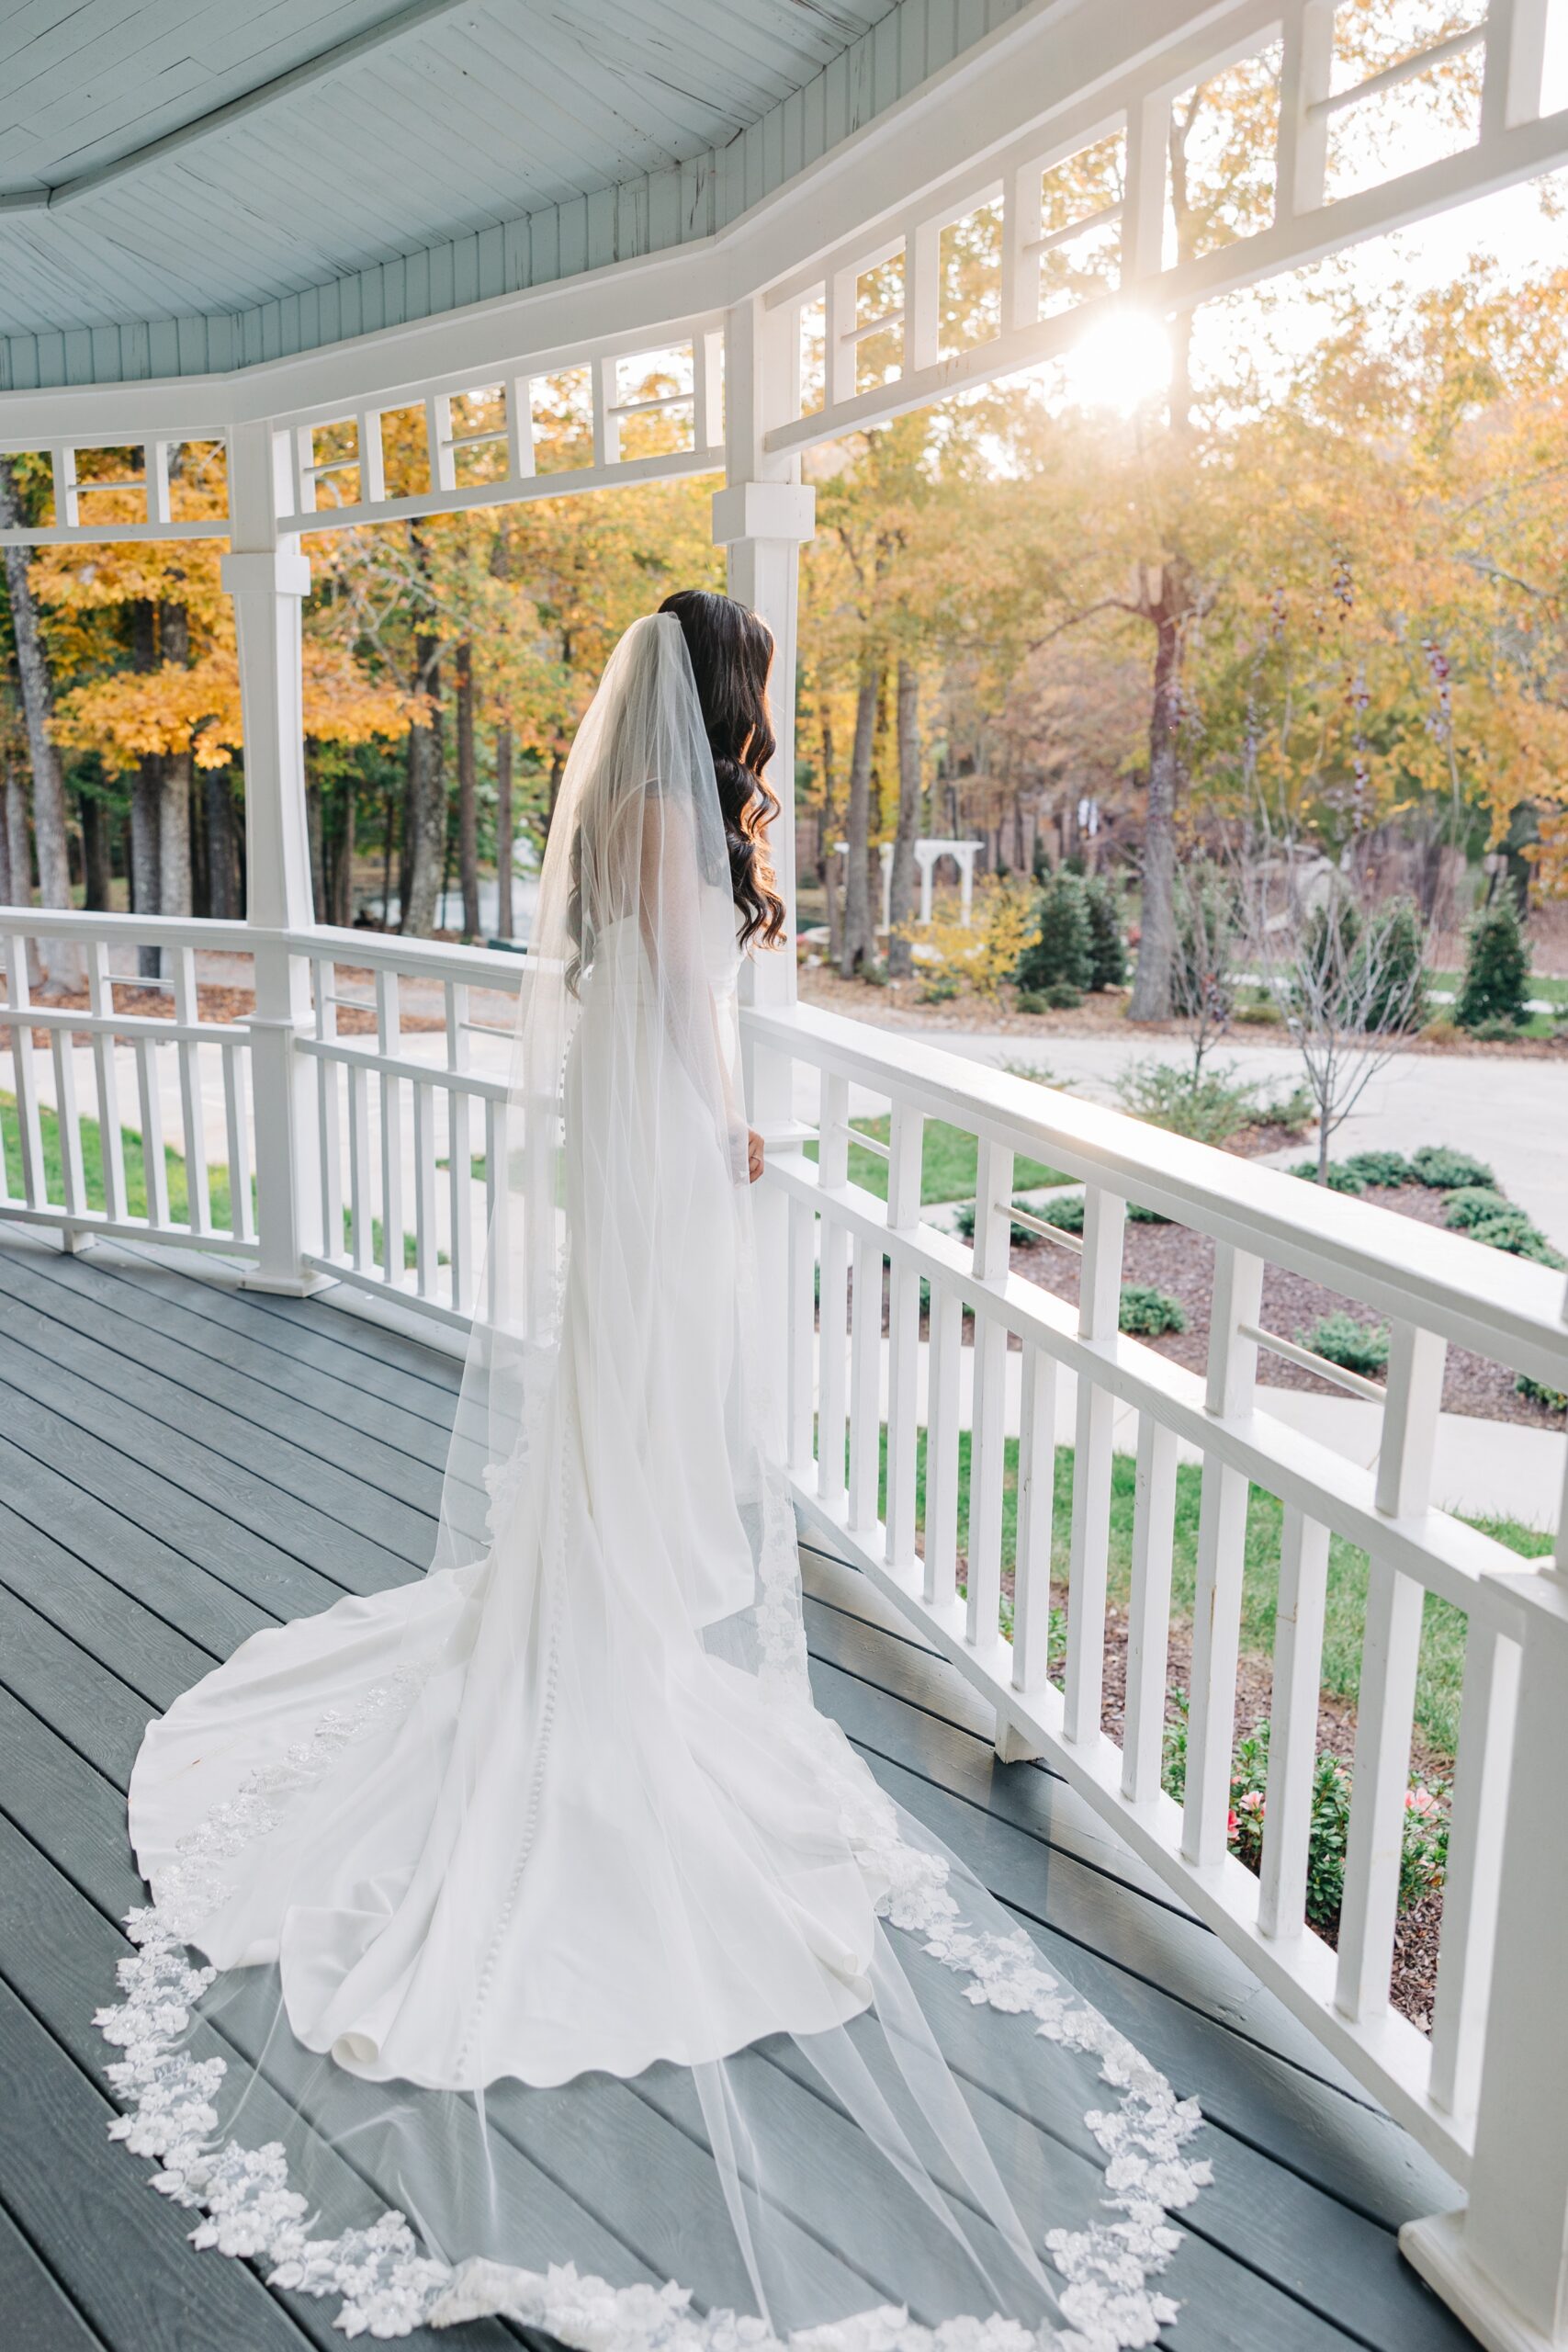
<point>437,125</point>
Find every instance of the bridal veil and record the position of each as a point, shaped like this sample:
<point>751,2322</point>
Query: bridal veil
<point>525,1948</point>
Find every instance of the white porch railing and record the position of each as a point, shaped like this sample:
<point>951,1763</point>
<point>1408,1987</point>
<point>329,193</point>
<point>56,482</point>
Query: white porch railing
<point>381,1163</point>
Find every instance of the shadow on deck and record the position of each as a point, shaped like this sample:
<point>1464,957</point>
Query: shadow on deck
<point>182,1462</point>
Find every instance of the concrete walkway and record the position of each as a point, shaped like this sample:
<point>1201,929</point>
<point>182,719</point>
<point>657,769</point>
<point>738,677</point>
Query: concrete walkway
<point>1512,1114</point>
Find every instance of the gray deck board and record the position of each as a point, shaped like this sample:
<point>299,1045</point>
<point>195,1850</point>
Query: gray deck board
<point>182,1462</point>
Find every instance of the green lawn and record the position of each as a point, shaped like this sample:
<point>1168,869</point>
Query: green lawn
<point>1548,986</point>
<point>136,1177</point>
<point>93,1167</point>
<point>949,1163</point>
<point>1441,1675</point>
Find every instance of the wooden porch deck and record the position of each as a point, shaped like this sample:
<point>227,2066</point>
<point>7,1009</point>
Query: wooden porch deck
<point>182,1462</point>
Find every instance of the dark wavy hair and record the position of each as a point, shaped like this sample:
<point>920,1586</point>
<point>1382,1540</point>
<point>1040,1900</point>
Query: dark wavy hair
<point>731,653</point>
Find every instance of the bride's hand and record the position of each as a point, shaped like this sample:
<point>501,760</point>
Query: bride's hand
<point>753,1154</point>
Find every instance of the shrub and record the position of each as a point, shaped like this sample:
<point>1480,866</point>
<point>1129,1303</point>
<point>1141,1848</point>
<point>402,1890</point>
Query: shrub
<point>1512,1231</point>
<point>1259,1011</point>
<point>1339,1176</point>
<point>1210,1107</point>
<point>1443,1169</point>
<point>1030,1000</point>
<point>1388,972</point>
<point>963,1220</point>
<point>1062,997</point>
<point>1384,1169</point>
<point>1206,923</point>
<point>942,990</point>
<point>1496,966</point>
<point>1138,1214</point>
<point>1473,1205</point>
<point>1149,1312</point>
<point>1108,952</point>
<point>1061,951</point>
<point>1355,1347</point>
<point>1066,1215</point>
<point>1554,1399</point>
<point>1424,1839</point>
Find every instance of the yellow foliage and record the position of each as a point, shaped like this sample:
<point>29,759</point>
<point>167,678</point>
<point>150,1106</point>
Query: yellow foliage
<point>135,714</point>
<point>983,956</point>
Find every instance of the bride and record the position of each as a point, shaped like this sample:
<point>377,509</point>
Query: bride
<point>537,1895</point>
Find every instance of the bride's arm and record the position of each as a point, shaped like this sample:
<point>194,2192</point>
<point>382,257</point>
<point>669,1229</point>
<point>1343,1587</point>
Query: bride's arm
<point>670,916</point>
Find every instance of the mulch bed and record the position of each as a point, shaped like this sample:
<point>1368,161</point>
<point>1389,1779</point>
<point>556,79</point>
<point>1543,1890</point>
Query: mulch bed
<point>218,1004</point>
<point>897,1004</point>
<point>1173,1258</point>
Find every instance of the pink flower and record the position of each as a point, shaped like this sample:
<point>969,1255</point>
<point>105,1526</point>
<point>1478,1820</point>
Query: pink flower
<point>1230,1823</point>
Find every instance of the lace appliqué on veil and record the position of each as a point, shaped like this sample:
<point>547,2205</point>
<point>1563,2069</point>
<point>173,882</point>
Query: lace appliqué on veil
<point>388,2287</point>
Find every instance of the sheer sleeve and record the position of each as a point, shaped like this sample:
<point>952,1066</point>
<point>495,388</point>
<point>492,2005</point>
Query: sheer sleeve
<point>674,916</point>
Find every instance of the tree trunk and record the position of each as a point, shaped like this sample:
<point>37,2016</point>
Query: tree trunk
<point>860,936</point>
<point>222,877</point>
<point>342,870</point>
<point>16,849</point>
<point>467,795</point>
<point>1151,998</point>
<point>901,889</point>
<point>316,836</point>
<point>174,800</point>
<point>60,962</point>
<point>146,797</point>
<point>504,917</point>
<point>97,877</point>
<point>388,828</point>
<point>830,855</point>
<point>425,808</point>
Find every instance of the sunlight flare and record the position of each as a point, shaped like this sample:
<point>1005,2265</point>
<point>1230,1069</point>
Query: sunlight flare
<point>1121,363</point>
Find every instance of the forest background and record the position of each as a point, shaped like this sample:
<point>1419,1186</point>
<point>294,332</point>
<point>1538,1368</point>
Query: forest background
<point>1300,580</point>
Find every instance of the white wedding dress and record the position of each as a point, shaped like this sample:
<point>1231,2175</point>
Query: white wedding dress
<point>562,1812</point>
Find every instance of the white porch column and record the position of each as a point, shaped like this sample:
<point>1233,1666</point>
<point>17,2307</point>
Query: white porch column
<point>761,517</point>
<point>268,581</point>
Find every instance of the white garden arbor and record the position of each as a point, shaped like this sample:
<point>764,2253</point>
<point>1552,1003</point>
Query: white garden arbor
<point>843,143</point>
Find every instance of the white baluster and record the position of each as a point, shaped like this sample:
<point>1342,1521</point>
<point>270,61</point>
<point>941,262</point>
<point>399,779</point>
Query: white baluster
<point>942,1365</point>
<point>800,1341</point>
<point>1386,1699</point>
<point>359,1194</point>
<point>1292,1723</point>
<point>865,1372</point>
<point>242,1214</point>
<point>988,1433</point>
<point>459,1151</point>
<point>1036,1509</point>
<point>426,1253</point>
<point>1099,1305</point>
<point>1148,1618</point>
<point>68,1123</point>
<point>35,1187</point>
<point>833,1171</point>
<point>154,1167</point>
<point>323,975</point>
<point>906,1141</point>
<point>1221,1550</point>
<point>388,1034</point>
<point>1477,1828</point>
<point>198,1200</point>
<point>111,1141</point>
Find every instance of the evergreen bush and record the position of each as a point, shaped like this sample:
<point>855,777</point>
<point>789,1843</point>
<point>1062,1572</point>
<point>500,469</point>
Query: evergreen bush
<point>1061,952</point>
<point>1474,1204</point>
<point>1388,981</point>
<point>1149,1312</point>
<point>1554,1399</point>
<point>1356,1347</point>
<point>1108,949</point>
<point>1384,1169</point>
<point>1443,1169</point>
<point>1339,1176</point>
<point>1496,966</point>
